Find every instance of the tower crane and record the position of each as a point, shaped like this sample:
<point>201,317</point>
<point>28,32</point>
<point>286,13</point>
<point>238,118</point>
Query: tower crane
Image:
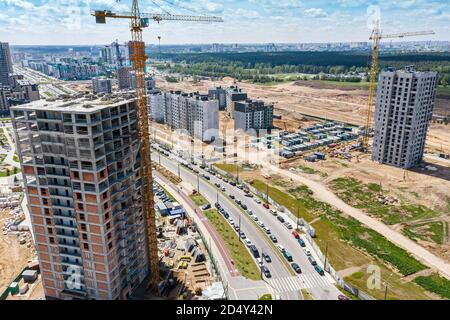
<point>376,37</point>
<point>139,21</point>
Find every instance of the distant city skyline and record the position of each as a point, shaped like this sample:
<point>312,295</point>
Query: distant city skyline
<point>58,22</point>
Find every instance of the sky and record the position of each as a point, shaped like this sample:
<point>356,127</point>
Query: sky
<point>68,22</point>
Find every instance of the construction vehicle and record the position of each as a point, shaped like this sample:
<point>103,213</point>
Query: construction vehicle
<point>376,37</point>
<point>139,21</point>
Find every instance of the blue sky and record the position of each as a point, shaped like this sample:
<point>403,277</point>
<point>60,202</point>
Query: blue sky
<point>246,21</point>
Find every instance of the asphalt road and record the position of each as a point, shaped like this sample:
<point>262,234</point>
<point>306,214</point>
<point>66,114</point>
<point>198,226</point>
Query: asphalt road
<point>282,281</point>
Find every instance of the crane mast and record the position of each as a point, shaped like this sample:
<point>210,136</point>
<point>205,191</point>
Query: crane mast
<point>139,21</point>
<point>376,37</point>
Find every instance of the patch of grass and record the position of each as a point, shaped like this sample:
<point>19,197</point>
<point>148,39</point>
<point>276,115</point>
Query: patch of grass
<point>366,197</point>
<point>241,256</point>
<point>228,167</point>
<point>435,284</point>
<point>361,84</point>
<point>198,199</point>
<point>16,158</point>
<point>306,295</point>
<point>431,231</point>
<point>266,296</point>
<point>309,170</point>
<point>9,172</point>
<point>397,288</point>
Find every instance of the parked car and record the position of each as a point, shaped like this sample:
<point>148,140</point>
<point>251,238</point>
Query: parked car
<point>243,206</point>
<point>236,227</point>
<point>255,218</point>
<point>238,201</point>
<point>281,248</point>
<point>242,235</point>
<point>301,242</point>
<point>307,252</point>
<point>265,205</point>
<point>261,224</point>
<point>281,219</point>
<point>231,196</point>
<point>288,225</point>
<point>295,234</point>
<point>206,177</point>
<point>249,195</point>
<point>287,255</point>
<point>254,251</point>
<point>247,242</point>
<point>273,238</point>
<point>224,189</point>
<point>312,260</point>
<point>240,186</point>
<point>343,297</point>
<point>206,206</point>
<point>257,201</point>
<point>319,270</point>
<point>296,267</point>
<point>267,230</point>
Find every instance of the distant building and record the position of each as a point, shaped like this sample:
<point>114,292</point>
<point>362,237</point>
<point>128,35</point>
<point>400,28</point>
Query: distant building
<point>193,112</point>
<point>101,85</point>
<point>150,83</point>
<point>252,114</point>
<point>234,94</point>
<point>29,88</point>
<point>220,94</point>
<point>6,66</point>
<point>405,101</point>
<point>124,78</point>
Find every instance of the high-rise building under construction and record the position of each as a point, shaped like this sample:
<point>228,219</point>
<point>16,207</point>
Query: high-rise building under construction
<point>81,165</point>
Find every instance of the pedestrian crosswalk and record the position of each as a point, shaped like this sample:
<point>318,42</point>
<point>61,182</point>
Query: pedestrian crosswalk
<point>302,281</point>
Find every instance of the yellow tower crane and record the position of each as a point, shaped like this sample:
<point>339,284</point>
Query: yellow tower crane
<point>139,21</point>
<point>376,37</point>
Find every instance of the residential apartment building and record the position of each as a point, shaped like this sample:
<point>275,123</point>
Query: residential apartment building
<point>218,93</point>
<point>234,94</point>
<point>124,77</point>
<point>101,85</point>
<point>251,114</point>
<point>6,66</point>
<point>404,107</point>
<point>193,112</point>
<point>81,166</point>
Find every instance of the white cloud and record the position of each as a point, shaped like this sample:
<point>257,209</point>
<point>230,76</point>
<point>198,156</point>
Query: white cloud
<point>315,13</point>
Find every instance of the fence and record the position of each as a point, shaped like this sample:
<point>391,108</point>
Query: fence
<point>306,228</point>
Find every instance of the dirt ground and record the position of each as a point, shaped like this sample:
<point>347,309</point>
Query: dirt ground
<point>293,99</point>
<point>13,256</point>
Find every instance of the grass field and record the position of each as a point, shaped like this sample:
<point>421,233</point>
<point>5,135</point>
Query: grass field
<point>436,231</point>
<point>436,284</point>
<point>198,199</point>
<point>241,256</point>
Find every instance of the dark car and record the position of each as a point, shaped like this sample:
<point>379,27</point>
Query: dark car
<point>265,205</point>
<point>206,207</point>
<point>233,183</point>
<point>281,219</point>
<point>206,177</point>
<point>231,196</point>
<point>254,251</point>
<point>319,270</point>
<point>343,297</point>
<point>226,215</point>
<point>296,267</point>
<point>273,238</point>
<point>237,201</point>
<point>266,272</point>
<point>301,242</point>
<point>243,206</point>
<point>236,227</point>
<point>312,260</point>
<point>217,205</point>
<point>267,258</point>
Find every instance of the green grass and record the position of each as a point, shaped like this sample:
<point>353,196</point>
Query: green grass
<point>361,84</point>
<point>444,91</point>
<point>431,231</point>
<point>365,197</point>
<point>16,158</point>
<point>266,296</point>
<point>435,284</point>
<point>10,172</point>
<point>241,256</point>
<point>309,170</point>
<point>398,289</point>
<point>228,167</point>
<point>198,199</point>
<point>347,228</point>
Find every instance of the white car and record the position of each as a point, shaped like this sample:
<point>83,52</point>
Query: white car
<point>288,225</point>
<point>255,218</point>
<point>257,201</point>
<point>231,221</point>
<point>273,212</point>
<point>261,224</point>
<point>267,230</point>
<point>250,212</point>
<point>260,262</point>
<point>307,252</point>
<point>280,247</point>
<point>223,189</point>
<point>248,243</point>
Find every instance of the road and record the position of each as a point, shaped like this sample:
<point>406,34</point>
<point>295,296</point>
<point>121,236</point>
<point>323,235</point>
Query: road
<point>320,287</point>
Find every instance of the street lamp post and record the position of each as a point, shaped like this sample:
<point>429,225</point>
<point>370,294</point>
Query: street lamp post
<point>179,173</point>
<point>326,256</point>
<point>198,183</point>
<point>240,240</point>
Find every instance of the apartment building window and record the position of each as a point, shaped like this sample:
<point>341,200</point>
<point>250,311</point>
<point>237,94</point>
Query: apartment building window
<point>83,226</point>
<point>105,205</point>
<point>108,226</point>
<point>82,216</point>
<point>80,206</point>
<point>78,196</point>
<point>45,201</point>
<point>84,236</point>
<point>107,216</point>
<point>86,246</point>
<point>47,211</point>
<point>51,240</point>
<point>76,174</point>
<point>50,230</point>
<point>48,221</point>
<point>110,245</point>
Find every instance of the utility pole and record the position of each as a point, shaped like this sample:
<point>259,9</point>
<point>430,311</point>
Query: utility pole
<point>217,196</point>
<point>267,192</point>
<point>237,173</point>
<point>385,290</point>
<point>240,227</point>
<point>159,153</point>
<point>298,220</point>
<point>198,183</point>
<point>326,256</point>
<point>260,266</point>
<point>179,173</point>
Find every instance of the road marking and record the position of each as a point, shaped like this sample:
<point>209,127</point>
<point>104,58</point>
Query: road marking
<point>303,281</point>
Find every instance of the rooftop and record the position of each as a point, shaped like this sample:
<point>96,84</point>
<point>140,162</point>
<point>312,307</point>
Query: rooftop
<point>87,103</point>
